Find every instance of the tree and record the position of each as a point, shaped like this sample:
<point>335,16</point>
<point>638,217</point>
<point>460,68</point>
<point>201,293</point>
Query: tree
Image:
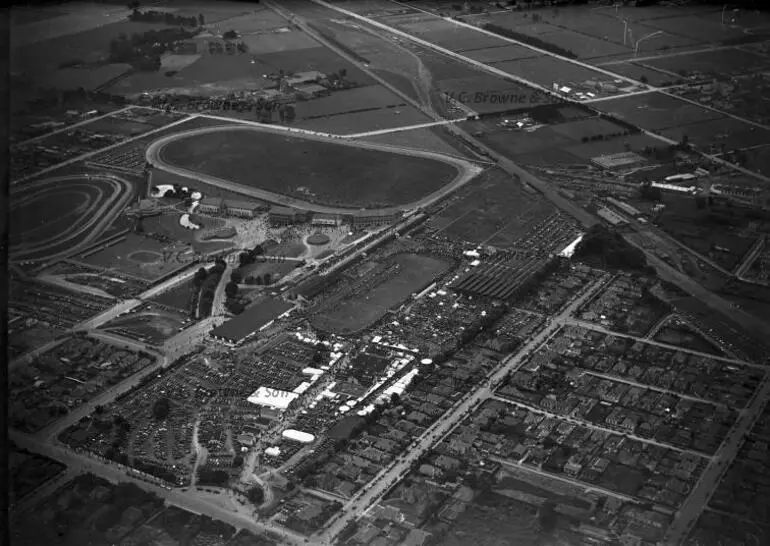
<point>256,495</point>
<point>231,289</point>
<point>258,250</point>
<point>268,279</point>
<point>236,277</point>
<point>643,79</point>
<point>230,35</point>
<point>161,408</point>
<point>201,20</point>
<point>134,6</point>
<point>200,276</point>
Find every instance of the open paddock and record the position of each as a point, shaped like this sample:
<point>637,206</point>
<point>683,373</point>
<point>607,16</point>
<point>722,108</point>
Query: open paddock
<point>254,21</point>
<point>546,71</point>
<point>209,75</point>
<point>177,61</point>
<point>118,126</point>
<point>547,157</point>
<point>636,143</point>
<point>428,139</point>
<point>520,142</point>
<point>722,62</point>
<point>26,15</point>
<point>412,273</point>
<point>362,122</point>
<point>492,55</point>
<point>348,100</point>
<point>307,59</point>
<point>39,59</point>
<point>460,39</point>
<point>585,47</point>
<point>639,72</point>
<point>730,132</point>
<point>137,256</point>
<point>655,111</point>
<point>697,28</point>
<point>443,67</point>
<point>586,128</point>
<point>260,44</point>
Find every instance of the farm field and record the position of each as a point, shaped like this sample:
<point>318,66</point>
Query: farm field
<point>358,311</point>
<point>638,71</point>
<point>330,173</point>
<point>137,256</point>
<point>38,60</point>
<point>728,132</point>
<point>655,111</point>
<point>119,126</point>
<point>724,62</point>
<point>362,122</point>
<point>260,44</point>
<point>457,38</point>
<point>349,100</point>
<point>546,71</point>
<point>255,20</point>
<point>508,52</point>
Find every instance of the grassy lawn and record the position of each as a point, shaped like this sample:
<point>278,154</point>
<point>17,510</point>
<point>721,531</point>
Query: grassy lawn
<point>333,174</point>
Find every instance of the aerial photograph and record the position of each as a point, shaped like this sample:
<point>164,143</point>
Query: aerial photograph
<point>387,273</point>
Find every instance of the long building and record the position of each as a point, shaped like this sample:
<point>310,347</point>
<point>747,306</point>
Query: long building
<point>254,319</point>
<point>230,207</point>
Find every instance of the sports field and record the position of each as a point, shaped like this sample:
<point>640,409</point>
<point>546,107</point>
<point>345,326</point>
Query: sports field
<point>328,172</point>
<point>410,273</point>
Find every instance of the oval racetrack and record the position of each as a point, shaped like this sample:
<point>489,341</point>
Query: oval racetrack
<point>56,217</point>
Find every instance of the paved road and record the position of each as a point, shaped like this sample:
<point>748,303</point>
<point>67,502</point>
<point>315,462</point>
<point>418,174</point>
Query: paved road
<point>707,485</point>
<point>218,305</point>
<point>360,502</point>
